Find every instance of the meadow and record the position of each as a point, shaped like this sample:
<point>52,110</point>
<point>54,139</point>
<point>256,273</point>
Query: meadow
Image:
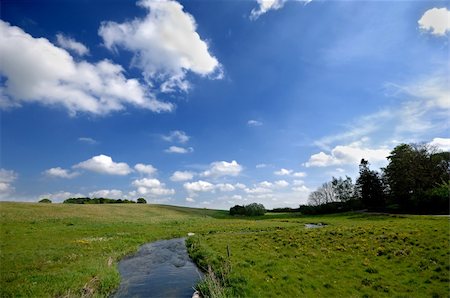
<point>63,250</point>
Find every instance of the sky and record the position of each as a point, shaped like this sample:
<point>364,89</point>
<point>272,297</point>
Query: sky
<point>214,103</point>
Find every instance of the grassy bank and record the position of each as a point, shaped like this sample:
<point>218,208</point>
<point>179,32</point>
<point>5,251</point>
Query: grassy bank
<point>55,250</point>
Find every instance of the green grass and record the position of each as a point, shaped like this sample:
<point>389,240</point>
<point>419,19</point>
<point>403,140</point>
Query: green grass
<point>56,250</point>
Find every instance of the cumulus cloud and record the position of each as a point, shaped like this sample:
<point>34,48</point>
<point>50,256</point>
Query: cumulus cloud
<point>107,193</point>
<point>152,187</point>
<point>179,150</point>
<point>61,173</point>
<point>254,123</point>
<point>71,44</point>
<point>436,21</point>
<point>198,186</point>
<point>223,168</point>
<point>281,183</point>
<point>7,177</point>
<point>266,5</point>
<point>165,44</point>
<point>283,172</point>
<point>347,154</point>
<point>225,187</point>
<point>145,169</point>
<point>177,136</point>
<point>105,165</point>
<point>38,71</point>
<point>182,176</point>
<point>190,200</point>
<point>441,143</point>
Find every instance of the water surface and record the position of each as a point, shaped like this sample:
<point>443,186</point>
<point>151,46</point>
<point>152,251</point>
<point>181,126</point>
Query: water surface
<point>158,269</point>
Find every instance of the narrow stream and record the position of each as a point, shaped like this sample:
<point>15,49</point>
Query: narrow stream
<point>158,269</point>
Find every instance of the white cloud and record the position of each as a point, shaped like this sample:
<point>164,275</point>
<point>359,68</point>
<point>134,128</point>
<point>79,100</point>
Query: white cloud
<point>177,136</point>
<point>152,187</point>
<point>61,173</point>
<point>225,187</point>
<point>182,176</point>
<point>261,165</point>
<point>7,177</point>
<point>283,172</point>
<point>441,143</point>
<point>254,123</point>
<point>71,44</point>
<point>348,154</point>
<point>165,44</point>
<point>87,140</point>
<point>198,186</point>
<point>281,183</point>
<point>145,169</point>
<point>114,194</point>
<point>38,71</point>
<point>179,150</point>
<point>266,5</point>
<point>436,21</point>
<point>105,165</point>
<point>223,168</point>
<point>190,200</point>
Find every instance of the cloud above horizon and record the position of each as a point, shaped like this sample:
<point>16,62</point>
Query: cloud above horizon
<point>165,45</point>
<point>436,21</point>
<point>104,164</point>
<point>96,88</point>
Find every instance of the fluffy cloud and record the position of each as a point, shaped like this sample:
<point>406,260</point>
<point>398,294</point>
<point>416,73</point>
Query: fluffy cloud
<point>281,183</point>
<point>182,176</point>
<point>347,154</point>
<point>198,186</point>
<point>254,123</point>
<point>61,173</point>
<point>38,71</point>
<point>266,5</point>
<point>288,172</point>
<point>7,177</point>
<point>190,200</point>
<point>177,136</point>
<point>223,168</point>
<point>145,169</point>
<point>71,44</point>
<point>107,193</point>
<point>152,187</point>
<point>165,44</point>
<point>436,21</point>
<point>105,165</point>
<point>179,150</point>
<point>441,143</point>
<point>225,187</point>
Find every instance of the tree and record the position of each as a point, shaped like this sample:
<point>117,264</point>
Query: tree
<point>343,188</point>
<point>45,200</point>
<point>369,187</point>
<point>253,209</point>
<point>141,201</point>
<point>413,170</point>
<point>323,195</point>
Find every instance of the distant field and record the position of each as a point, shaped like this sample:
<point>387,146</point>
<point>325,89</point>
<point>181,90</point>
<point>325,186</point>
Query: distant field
<point>56,250</point>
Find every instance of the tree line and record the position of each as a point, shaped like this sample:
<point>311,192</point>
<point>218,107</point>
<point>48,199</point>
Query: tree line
<point>416,180</point>
<point>88,200</point>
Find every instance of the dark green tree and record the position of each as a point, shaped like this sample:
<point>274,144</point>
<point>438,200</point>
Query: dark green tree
<point>343,188</point>
<point>413,171</point>
<point>45,200</point>
<point>369,187</point>
<point>141,201</point>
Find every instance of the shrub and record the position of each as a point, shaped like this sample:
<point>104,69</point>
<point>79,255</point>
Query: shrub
<point>253,209</point>
<point>45,200</point>
<point>141,201</point>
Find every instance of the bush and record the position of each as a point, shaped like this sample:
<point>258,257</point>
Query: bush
<point>333,207</point>
<point>253,209</point>
<point>46,201</point>
<point>141,201</point>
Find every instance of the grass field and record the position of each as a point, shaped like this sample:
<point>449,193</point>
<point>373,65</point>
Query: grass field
<point>56,250</point>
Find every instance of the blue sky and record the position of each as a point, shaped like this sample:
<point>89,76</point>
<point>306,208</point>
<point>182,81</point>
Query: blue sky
<point>214,103</point>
